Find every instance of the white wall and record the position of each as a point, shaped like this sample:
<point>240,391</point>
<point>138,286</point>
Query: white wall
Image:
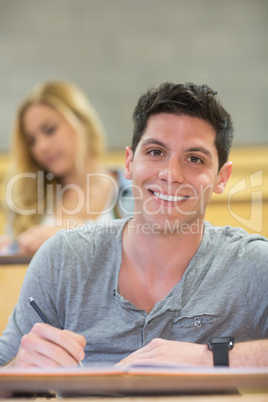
<point>116,49</point>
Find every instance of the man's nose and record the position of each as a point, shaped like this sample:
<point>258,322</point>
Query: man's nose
<point>172,172</point>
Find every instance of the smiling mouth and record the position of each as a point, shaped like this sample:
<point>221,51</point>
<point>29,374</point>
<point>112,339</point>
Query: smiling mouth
<point>173,198</point>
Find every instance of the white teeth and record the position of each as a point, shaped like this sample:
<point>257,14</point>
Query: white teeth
<point>168,197</point>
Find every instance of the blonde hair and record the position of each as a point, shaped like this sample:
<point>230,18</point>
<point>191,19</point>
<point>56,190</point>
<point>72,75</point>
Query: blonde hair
<point>74,106</point>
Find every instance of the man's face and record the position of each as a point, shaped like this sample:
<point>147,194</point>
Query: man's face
<point>175,170</point>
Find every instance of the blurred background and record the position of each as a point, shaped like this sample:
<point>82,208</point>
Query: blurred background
<point>115,49</point>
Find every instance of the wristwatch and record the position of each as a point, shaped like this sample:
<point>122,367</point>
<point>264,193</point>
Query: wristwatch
<point>220,348</point>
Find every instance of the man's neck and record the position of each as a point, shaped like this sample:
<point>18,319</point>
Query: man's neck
<point>154,263</point>
<point>161,249</point>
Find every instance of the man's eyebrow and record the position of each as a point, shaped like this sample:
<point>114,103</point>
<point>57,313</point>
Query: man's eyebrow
<point>200,149</point>
<point>152,141</point>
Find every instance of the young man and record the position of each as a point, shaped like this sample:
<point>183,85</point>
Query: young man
<point>164,286</point>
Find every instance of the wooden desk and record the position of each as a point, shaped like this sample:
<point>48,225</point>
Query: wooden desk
<point>190,398</point>
<point>11,278</point>
<point>138,382</point>
<point>15,259</point>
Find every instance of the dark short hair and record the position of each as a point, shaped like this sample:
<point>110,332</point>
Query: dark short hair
<point>185,99</point>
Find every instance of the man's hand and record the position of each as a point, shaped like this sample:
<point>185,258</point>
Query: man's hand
<point>46,346</point>
<point>160,351</point>
<point>30,240</point>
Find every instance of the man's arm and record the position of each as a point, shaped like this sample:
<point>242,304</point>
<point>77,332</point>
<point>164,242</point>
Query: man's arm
<point>10,363</point>
<point>244,354</point>
<point>249,354</point>
<point>46,346</point>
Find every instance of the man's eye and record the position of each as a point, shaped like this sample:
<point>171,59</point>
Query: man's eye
<point>156,152</point>
<point>195,159</point>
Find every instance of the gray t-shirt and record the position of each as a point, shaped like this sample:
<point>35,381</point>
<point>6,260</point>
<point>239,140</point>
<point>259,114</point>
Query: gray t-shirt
<point>74,279</point>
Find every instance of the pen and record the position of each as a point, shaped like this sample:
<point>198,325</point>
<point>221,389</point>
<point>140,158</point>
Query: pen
<point>38,310</point>
<point>42,315</point>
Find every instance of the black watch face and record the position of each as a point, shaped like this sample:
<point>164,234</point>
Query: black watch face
<point>227,340</point>
<point>221,340</point>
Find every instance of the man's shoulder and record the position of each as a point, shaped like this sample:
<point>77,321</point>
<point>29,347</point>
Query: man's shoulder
<point>82,245</point>
<point>233,233</point>
<point>90,234</point>
<point>232,239</point>
<point>102,228</point>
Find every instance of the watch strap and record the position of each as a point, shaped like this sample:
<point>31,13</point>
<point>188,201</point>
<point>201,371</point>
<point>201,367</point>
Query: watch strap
<point>220,355</point>
<point>220,348</point>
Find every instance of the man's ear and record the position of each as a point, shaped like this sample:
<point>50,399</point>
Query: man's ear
<point>128,163</point>
<point>223,177</point>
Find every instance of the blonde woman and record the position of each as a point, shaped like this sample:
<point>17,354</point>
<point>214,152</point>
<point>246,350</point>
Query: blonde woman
<point>58,178</point>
